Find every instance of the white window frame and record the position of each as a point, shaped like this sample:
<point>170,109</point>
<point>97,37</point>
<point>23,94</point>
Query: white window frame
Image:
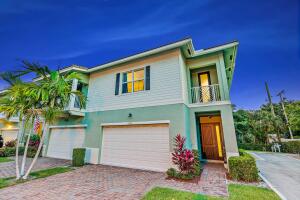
<point>133,81</point>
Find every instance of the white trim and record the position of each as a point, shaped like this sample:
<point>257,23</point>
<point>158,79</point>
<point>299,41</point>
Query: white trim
<point>70,126</point>
<point>216,103</point>
<point>9,129</point>
<point>215,49</point>
<point>136,123</point>
<point>272,187</point>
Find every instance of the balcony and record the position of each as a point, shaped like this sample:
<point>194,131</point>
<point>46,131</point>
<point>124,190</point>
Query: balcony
<point>206,94</point>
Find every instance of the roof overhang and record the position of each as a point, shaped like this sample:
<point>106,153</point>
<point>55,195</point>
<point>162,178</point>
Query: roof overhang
<point>144,54</point>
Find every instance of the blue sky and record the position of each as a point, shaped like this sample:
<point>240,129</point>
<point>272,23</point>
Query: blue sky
<point>89,33</point>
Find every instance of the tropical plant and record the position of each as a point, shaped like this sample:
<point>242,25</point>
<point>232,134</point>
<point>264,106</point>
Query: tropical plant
<point>52,94</point>
<point>45,99</point>
<point>16,102</point>
<point>182,157</point>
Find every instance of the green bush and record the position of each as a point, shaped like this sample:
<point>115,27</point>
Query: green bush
<point>31,151</point>
<point>290,147</point>
<point>255,146</point>
<point>243,167</point>
<point>78,157</point>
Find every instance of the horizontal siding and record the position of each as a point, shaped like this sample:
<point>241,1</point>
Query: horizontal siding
<point>165,88</point>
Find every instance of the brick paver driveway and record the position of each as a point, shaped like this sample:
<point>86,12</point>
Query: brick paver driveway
<point>105,182</point>
<point>8,169</point>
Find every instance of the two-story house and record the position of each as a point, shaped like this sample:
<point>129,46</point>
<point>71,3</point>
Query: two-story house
<point>138,104</point>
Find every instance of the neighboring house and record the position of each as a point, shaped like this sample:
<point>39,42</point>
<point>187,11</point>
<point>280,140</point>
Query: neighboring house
<point>138,104</point>
<point>8,127</point>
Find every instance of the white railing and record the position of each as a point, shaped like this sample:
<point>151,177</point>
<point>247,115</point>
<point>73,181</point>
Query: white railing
<point>205,94</point>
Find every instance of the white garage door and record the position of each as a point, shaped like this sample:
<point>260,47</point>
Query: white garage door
<point>63,140</point>
<point>9,135</point>
<point>136,146</point>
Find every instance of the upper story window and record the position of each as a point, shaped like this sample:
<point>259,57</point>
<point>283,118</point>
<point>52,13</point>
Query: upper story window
<point>133,81</point>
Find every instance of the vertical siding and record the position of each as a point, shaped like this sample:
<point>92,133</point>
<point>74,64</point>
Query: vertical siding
<point>166,85</point>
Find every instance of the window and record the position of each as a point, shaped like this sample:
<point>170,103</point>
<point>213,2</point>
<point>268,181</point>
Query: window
<point>133,81</point>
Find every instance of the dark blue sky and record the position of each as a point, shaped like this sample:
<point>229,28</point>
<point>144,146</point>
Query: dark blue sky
<point>88,33</point>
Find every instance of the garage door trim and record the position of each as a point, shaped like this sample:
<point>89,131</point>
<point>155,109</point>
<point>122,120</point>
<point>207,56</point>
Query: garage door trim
<point>136,123</point>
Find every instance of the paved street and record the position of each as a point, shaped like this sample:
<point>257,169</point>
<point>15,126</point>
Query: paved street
<point>282,171</point>
<point>106,183</point>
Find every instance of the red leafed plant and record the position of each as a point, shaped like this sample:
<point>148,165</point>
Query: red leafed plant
<point>182,157</point>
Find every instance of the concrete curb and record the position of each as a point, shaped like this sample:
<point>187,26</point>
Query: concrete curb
<point>272,187</point>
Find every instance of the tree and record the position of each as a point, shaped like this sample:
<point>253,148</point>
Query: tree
<point>46,99</point>
<point>52,95</point>
<point>15,102</point>
<point>293,112</point>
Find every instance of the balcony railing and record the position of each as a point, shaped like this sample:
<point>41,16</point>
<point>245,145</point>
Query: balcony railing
<point>206,94</point>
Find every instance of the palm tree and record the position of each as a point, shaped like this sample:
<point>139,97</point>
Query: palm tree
<point>15,102</point>
<point>52,95</point>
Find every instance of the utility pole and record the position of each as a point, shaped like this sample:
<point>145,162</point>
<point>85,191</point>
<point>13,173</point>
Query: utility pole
<point>270,99</point>
<point>280,94</point>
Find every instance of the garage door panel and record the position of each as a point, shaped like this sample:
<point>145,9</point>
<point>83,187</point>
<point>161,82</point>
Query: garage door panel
<point>62,141</point>
<point>142,147</point>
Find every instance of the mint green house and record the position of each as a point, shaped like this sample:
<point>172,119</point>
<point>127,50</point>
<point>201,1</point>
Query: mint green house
<point>136,105</point>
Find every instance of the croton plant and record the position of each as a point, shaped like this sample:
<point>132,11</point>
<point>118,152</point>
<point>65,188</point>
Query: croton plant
<point>182,157</point>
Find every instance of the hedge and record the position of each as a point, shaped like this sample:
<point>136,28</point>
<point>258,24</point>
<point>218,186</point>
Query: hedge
<point>290,147</point>
<point>243,167</point>
<point>78,157</point>
<point>255,146</point>
<point>286,147</point>
<point>11,151</point>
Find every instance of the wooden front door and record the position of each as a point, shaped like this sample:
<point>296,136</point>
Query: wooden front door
<point>212,141</point>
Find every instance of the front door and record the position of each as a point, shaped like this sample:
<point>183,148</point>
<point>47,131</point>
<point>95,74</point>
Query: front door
<point>212,142</point>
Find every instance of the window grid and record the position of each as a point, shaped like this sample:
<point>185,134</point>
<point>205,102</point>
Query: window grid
<point>133,81</point>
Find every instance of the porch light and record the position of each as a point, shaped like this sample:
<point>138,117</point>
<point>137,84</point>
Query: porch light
<point>130,115</point>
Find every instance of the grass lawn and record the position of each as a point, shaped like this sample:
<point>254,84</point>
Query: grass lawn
<point>236,192</point>
<point>5,182</point>
<point>5,159</point>
<point>159,193</point>
<point>241,192</point>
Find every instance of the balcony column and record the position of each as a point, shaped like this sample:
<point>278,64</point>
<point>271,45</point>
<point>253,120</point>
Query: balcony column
<point>224,91</point>
<point>72,97</point>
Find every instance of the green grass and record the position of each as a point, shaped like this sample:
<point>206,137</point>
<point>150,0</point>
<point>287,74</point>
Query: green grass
<point>5,159</point>
<point>50,172</point>
<point>5,182</point>
<point>236,192</point>
<point>159,193</point>
<point>242,192</point>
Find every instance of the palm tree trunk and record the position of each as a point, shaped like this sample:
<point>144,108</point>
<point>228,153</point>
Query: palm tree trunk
<point>17,150</point>
<point>37,152</point>
<point>25,154</point>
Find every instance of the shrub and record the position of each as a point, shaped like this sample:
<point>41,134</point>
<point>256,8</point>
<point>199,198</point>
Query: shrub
<point>255,146</point>
<point>78,157</point>
<point>11,143</point>
<point>182,157</point>
<point>34,141</point>
<point>31,151</point>
<point>243,167</point>
<point>10,151</point>
<point>290,147</point>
